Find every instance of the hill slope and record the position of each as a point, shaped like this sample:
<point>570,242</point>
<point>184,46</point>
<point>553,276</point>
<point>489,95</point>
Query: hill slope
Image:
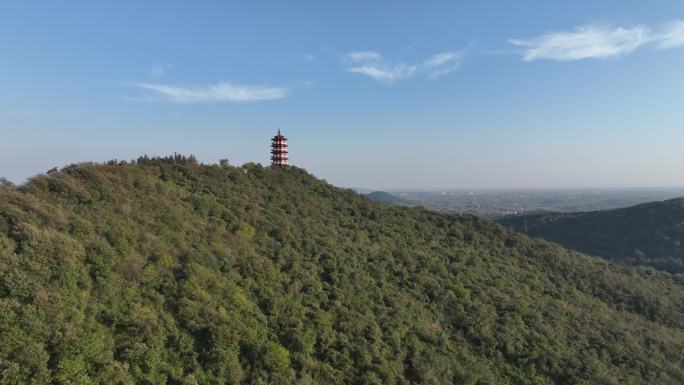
<point>169,272</point>
<point>646,234</point>
<point>390,199</point>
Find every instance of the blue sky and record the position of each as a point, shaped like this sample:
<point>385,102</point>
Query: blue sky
<point>391,95</point>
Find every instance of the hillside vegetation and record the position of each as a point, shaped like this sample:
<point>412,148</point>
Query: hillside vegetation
<point>170,272</point>
<point>648,234</point>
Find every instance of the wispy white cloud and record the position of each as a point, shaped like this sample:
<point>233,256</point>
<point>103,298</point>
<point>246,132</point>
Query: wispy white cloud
<point>584,43</point>
<point>220,92</point>
<point>440,58</point>
<point>444,71</point>
<point>362,56</point>
<point>672,35</point>
<point>443,64</point>
<point>385,74</point>
<point>599,42</point>
<point>373,65</point>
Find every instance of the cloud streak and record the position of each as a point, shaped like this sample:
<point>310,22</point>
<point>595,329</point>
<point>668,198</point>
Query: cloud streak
<point>362,56</point>
<point>673,35</point>
<point>384,73</point>
<point>219,92</point>
<point>374,65</point>
<point>599,42</point>
<point>442,64</point>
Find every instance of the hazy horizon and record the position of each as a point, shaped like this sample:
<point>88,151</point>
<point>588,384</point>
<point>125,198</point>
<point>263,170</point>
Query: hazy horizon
<point>391,189</point>
<point>411,96</point>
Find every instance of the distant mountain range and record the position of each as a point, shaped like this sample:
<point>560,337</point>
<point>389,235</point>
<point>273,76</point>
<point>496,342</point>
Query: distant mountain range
<point>390,199</point>
<point>497,203</point>
<point>647,234</point>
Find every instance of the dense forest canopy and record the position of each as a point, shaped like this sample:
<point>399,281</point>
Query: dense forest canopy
<point>648,234</point>
<point>170,272</point>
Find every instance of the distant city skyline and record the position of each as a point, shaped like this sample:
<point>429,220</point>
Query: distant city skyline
<point>379,95</point>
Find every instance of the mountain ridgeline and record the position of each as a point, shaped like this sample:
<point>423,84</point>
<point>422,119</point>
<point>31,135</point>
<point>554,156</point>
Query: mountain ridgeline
<point>648,234</point>
<point>390,199</point>
<point>170,272</point>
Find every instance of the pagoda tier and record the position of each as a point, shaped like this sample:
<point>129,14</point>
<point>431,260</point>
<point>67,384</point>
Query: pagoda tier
<point>279,150</point>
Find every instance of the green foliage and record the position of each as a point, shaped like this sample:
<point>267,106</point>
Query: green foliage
<point>649,234</point>
<point>165,271</point>
<point>276,358</point>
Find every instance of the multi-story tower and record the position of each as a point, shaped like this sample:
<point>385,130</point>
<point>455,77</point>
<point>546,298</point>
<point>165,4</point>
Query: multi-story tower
<point>279,150</point>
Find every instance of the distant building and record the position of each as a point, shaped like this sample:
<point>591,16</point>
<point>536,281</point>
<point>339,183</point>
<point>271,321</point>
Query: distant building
<point>279,150</point>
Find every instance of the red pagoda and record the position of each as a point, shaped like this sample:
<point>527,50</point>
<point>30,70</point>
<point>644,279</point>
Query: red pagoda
<point>279,150</point>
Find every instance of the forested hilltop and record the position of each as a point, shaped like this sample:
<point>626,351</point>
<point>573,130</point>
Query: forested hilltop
<point>171,272</point>
<point>648,234</point>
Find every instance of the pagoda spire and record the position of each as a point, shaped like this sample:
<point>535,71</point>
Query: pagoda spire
<point>279,150</point>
